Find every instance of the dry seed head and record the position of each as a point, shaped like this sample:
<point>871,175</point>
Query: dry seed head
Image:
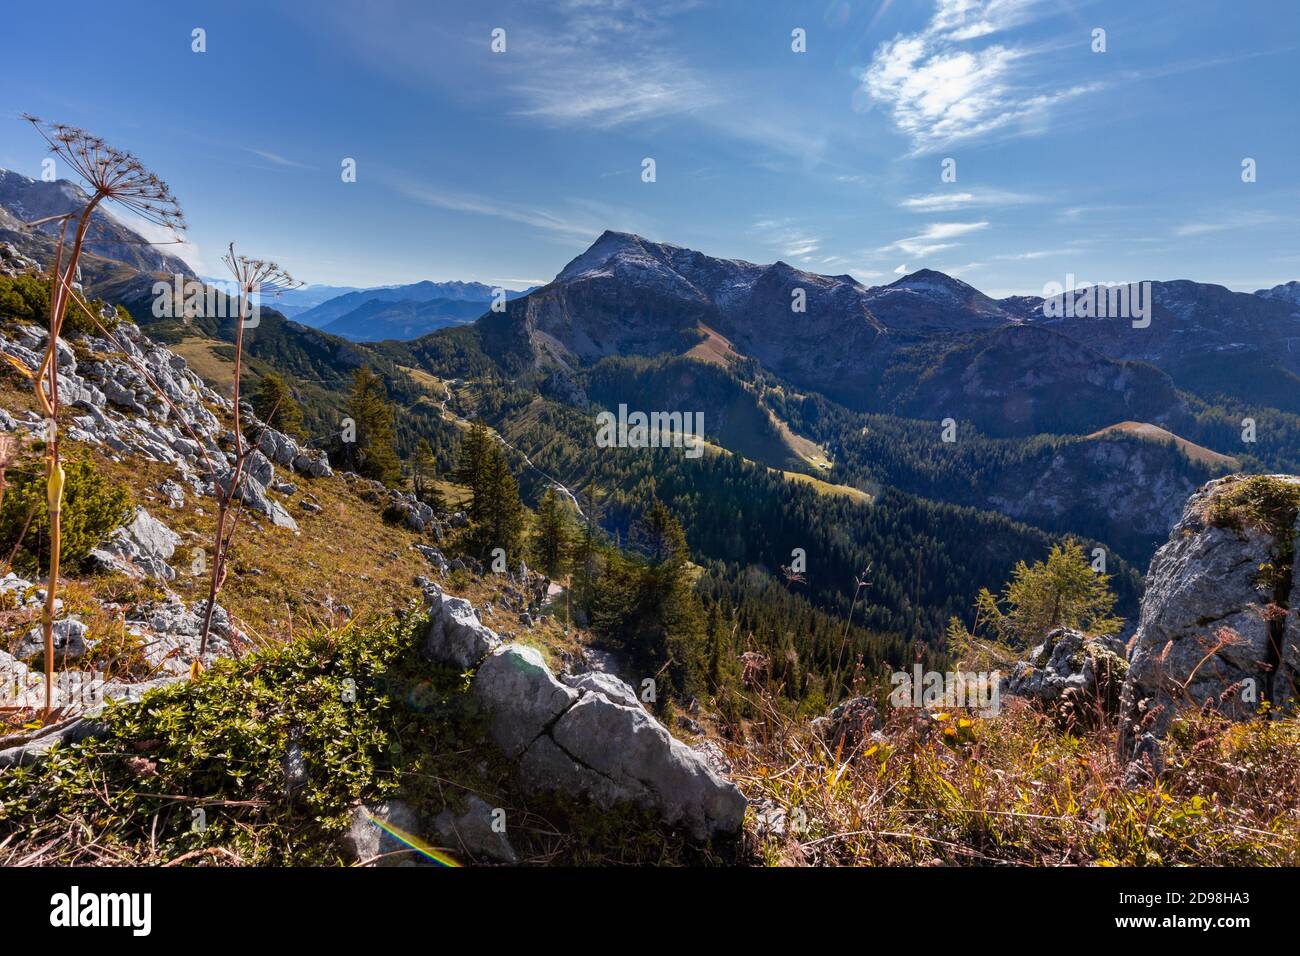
<point>112,174</point>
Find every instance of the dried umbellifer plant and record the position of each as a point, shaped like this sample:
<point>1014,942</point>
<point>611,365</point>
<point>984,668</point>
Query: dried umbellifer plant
<point>110,175</point>
<point>252,277</point>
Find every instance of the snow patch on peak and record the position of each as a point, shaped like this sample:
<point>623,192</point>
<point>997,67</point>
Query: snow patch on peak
<point>930,282</point>
<point>596,258</point>
<point>1286,292</point>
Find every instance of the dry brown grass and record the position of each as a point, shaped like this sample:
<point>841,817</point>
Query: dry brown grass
<point>1011,789</point>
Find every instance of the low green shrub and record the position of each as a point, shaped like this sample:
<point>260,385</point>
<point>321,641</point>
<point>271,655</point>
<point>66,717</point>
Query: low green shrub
<point>92,507</point>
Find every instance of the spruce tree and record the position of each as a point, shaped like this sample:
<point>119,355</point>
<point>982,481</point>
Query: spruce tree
<point>376,444</point>
<point>274,404</point>
<point>500,519</point>
<point>422,474</point>
<point>551,535</point>
<point>471,466</point>
<point>651,606</point>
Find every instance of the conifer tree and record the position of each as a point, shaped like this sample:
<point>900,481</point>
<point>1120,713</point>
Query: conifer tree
<point>551,535</point>
<point>376,444</point>
<point>500,519</point>
<point>422,474</point>
<point>275,405</point>
<point>471,466</point>
<point>651,604</point>
<point>1063,591</point>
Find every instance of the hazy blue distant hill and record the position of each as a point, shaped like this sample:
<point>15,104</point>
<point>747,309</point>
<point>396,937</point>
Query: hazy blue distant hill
<point>424,291</point>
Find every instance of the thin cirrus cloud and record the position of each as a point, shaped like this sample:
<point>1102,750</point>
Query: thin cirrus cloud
<point>611,94</point>
<point>606,67</point>
<point>581,227</point>
<point>275,158</point>
<point>1240,221</point>
<point>790,241</point>
<point>939,88</point>
<point>937,237</point>
<point>948,201</point>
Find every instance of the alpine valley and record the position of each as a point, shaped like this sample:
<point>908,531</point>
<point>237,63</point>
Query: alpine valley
<point>875,464</point>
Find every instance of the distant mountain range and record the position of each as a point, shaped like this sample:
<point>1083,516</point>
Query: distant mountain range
<point>294,302</point>
<point>926,343</point>
<point>1081,425</point>
<point>401,311</point>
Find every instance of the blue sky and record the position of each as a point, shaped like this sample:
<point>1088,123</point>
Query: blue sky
<point>500,167</point>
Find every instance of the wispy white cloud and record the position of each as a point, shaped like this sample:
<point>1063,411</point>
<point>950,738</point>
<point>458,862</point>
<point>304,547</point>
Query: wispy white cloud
<point>602,64</point>
<point>948,201</point>
<point>1075,213</point>
<point>940,89</point>
<point>790,241</point>
<point>573,227</point>
<point>610,94</point>
<point>1234,221</point>
<point>1034,254</point>
<point>936,237</point>
<point>275,158</point>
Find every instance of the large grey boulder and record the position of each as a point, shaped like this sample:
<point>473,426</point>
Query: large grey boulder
<point>313,463</point>
<point>1218,627</point>
<point>621,752</point>
<point>253,494</point>
<point>284,451</point>
<point>1071,671</point>
<point>258,467</point>
<point>277,446</point>
<point>521,696</point>
<point>602,683</point>
<point>455,635</point>
<point>589,735</point>
<point>139,549</point>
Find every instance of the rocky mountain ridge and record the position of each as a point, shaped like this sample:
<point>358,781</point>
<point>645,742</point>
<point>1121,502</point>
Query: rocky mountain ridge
<point>29,200</point>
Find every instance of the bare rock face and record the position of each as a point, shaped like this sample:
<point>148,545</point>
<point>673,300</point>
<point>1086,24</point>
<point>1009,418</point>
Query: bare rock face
<point>522,696</point>
<point>1218,628</point>
<point>284,451</point>
<point>618,753</point>
<point>455,634</point>
<point>70,642</point>
<point>586,734</point>
<point>1072,673</point>
<point>139,549</point>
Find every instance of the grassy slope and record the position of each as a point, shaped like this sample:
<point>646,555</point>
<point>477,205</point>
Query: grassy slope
<point>1015,789</point>
<point>958,790</point>
<point>280,582</point>
<point>401,727</point>
<point>1154,433</point>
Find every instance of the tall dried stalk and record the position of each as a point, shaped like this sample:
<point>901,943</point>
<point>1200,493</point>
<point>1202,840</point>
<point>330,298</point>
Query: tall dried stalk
<point>263,278</point>
<point>112,175</point>
<point>862,581</point>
